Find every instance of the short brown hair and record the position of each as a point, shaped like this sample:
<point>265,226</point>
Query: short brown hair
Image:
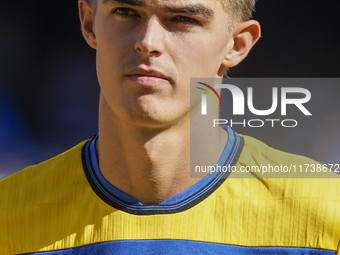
<point>239,11</point>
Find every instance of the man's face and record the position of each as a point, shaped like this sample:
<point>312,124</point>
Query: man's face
<point>147,51</point>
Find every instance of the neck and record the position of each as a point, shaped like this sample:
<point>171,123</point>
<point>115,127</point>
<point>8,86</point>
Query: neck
<point>151,164</point>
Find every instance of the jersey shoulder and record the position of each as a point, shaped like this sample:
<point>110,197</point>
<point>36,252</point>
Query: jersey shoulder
<point>257,153</point>
<point>283,175</point>
<point>36,184</point>
<point>37,203</point>
<point>304,203</point>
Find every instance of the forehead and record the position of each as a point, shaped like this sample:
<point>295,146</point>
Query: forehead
<point>146,2</point>
<point>209,10</point>
<point>206,6</point>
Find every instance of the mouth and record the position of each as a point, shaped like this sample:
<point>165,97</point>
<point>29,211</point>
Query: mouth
<point>147,77</point>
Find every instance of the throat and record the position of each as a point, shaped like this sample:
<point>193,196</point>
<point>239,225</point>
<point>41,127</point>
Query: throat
<point>149,170</point>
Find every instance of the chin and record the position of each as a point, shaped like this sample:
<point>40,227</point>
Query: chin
<point>154,122</point>
<point>151,111</point>
<point>154,118</point>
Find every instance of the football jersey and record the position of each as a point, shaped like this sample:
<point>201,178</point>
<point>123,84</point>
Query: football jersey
<point>65,206</point>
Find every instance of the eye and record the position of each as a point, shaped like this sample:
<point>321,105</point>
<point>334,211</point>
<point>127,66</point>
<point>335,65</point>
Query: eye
<point>184,19</point>
<point>125,12</point>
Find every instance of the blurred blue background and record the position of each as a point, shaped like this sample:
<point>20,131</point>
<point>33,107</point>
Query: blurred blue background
<point>49,91</point>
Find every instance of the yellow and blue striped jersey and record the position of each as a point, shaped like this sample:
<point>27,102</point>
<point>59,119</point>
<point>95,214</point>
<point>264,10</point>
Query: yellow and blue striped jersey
<point>65,206</point>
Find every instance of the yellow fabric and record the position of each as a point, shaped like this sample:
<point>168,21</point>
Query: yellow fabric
<point>52,206</point>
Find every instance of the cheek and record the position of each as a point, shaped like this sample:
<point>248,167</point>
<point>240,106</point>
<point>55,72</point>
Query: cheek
<point>112,42</point>
<point>200,58</point>
<point>103,67</point>
<point>109,58</point>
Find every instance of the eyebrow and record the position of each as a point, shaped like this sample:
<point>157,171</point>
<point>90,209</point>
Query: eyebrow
<point>196,8</point>
<point>128,2</point>
<point>192,9</point>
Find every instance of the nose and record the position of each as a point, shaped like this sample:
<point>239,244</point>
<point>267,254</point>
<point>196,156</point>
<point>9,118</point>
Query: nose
<point>150,41</point>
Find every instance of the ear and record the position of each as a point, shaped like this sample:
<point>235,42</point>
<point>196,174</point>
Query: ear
<point>243,39</point>
<point>87,22</point>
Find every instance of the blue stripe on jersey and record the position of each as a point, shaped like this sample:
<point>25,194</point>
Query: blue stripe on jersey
<point>197,191</point>
<point>179,247</point>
